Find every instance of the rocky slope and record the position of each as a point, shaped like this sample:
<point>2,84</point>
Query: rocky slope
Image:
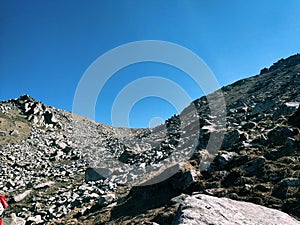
<point>52,172</point>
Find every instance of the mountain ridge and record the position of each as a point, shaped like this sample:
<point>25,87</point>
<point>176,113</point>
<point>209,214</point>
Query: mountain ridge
<point>52,156</point>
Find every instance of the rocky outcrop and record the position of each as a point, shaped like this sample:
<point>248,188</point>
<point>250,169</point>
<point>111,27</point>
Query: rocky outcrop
<point>36,112</point>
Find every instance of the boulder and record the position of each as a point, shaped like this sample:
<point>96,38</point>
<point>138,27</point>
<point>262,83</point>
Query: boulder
<point>94,174</point>
<point>14,133</point>
<point>203,210</point>
<point>224,158</point>
<point>254,165</point>
<point>287,187</point>
<point>35,219</point>
<point>286,109</point>
<point>49,117</point>
<point>21,196</point>
<point>106,199</point>
<point>290,181</point>
<point>127,155</point>
<point>44,185</point>
<point>230,139</point>
<point>294,120</point>
<point>279,135</point>
<point>184,180</point>
<point>261,107</point>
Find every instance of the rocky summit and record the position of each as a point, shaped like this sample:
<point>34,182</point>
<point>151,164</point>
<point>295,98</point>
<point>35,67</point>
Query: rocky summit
<point>238,164</point>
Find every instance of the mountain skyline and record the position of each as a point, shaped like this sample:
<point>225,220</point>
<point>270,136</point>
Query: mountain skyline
<point>46,47</point>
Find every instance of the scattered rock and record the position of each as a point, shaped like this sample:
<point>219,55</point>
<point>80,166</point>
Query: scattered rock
<point>21,196</point>
<point>257,162</point>
<point>35,219</point>
<point>106,199</point>
<point>44,185</point>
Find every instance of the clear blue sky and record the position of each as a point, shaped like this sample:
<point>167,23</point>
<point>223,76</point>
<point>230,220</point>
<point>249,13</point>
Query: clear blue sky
<point>46,46</point>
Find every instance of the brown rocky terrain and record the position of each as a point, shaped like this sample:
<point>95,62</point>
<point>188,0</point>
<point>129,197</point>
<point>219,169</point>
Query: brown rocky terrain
<point>60,168</point>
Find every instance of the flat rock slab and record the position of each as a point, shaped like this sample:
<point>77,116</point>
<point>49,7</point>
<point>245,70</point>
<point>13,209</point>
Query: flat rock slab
<point>204,209</point>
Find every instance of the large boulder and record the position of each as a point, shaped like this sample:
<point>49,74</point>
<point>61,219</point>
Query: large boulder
<point>295,118</point>
<point>279,135</point>
<point>231,138</point>
<point>204,209</point>
<point>94,174</point>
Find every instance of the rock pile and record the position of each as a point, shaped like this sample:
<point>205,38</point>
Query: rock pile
<point>36,112</point>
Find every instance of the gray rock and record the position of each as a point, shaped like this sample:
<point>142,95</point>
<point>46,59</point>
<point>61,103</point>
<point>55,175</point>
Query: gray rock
<point>21,196</point>
<point>10,184</point>
<point>254,165</point>
<point>50,117</point>
<point>294,120</point>
<point>184,180</point>
<point>44,185</point>
<point>279,135</point>
<point>105,200</point>
<point>287,187</point>
<point>263,106</point>
<point>126,155</point>
<point>94,174</point>
<point>61,144</point>
<point>203,210</point>
<point>248,125</point>
<point>14,133</point>
<point>224,158</point>
<point>35,219</point>
<point>290,181</point>
<point>230,139</point>
<point>233,196</point>
<point>246,190</point>
<point>287,109</point>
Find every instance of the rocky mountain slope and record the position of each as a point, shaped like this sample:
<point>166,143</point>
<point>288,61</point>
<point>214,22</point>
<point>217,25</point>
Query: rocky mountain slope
<point>60,168</point>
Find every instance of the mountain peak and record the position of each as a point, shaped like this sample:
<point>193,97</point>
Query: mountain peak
<point>26,98</point>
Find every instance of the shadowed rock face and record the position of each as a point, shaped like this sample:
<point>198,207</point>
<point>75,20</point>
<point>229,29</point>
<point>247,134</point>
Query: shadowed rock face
<point>52,170</point>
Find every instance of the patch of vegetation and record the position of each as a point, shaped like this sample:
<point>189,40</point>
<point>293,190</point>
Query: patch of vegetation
<point>14,127</point>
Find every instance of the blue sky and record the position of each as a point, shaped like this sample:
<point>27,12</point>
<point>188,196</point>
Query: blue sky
<point>46,46</point>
